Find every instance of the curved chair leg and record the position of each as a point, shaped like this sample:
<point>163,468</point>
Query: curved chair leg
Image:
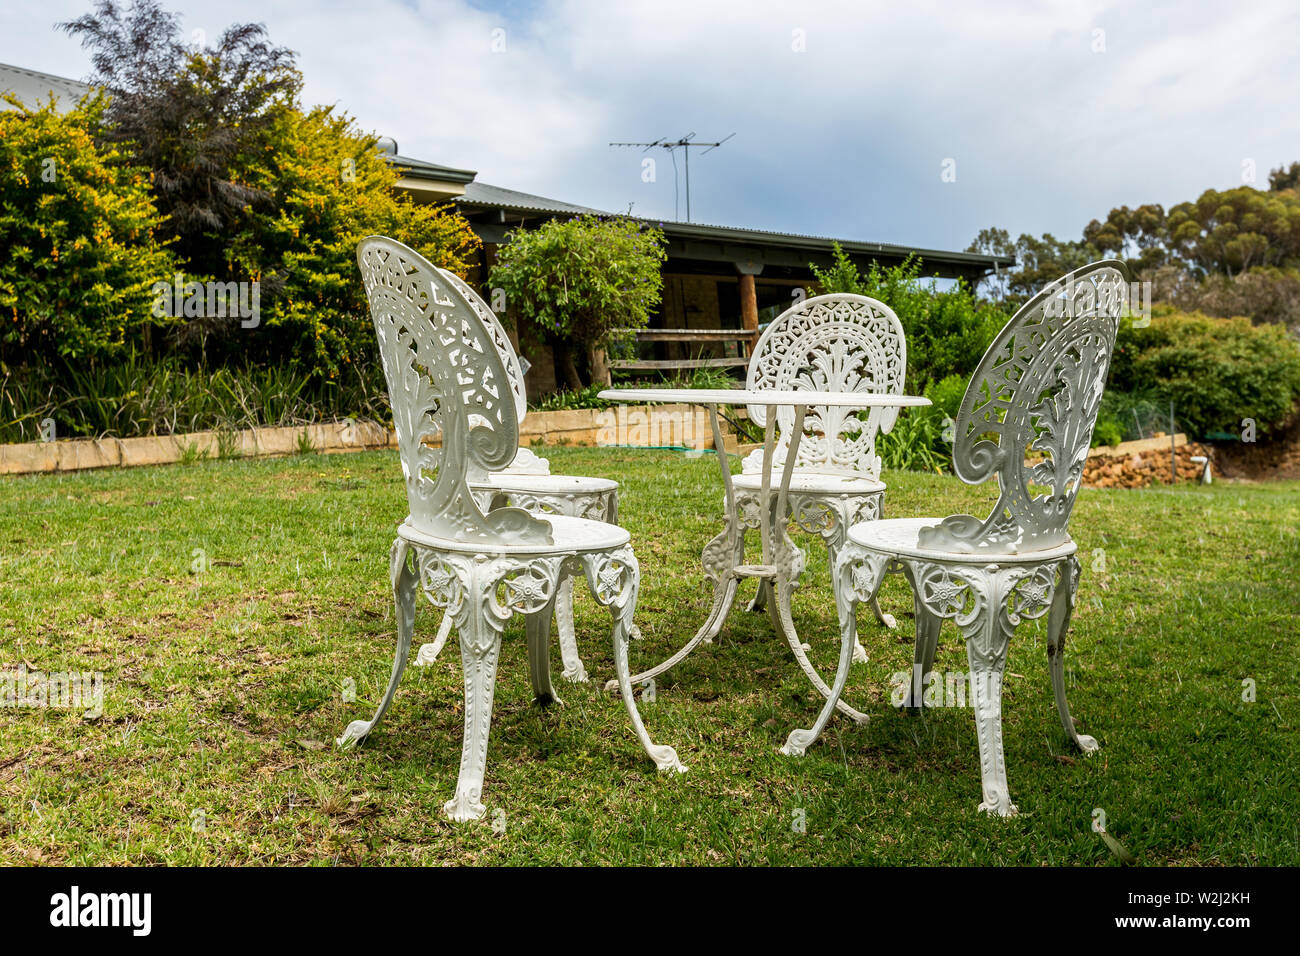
<point>927,642</point>
<point>761,597</point>
<point>888,620</point>
<point>404,583</point>
<point>573,671</point>
<point>988,635</point>
<point>833,543</point>
<point>614,578</point>
<point>1058,623</point>
<point>480,648</point>
<point>538,627</point>
<point>428,653</point>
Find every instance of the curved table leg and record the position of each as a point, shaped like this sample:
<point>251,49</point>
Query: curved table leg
<point>724,596</point>
<point>799,739</point>
<point>783,621</point>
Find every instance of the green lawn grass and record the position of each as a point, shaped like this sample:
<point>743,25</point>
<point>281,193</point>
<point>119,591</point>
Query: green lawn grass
<point>224,688</point>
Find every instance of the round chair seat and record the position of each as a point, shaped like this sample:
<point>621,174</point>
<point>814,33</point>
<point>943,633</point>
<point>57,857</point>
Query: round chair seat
<point>899,536</point>
<point>569,534</point>
<point>547,484</point>
<point>811,482</point>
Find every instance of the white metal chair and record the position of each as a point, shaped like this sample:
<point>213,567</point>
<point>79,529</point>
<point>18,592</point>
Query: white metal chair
<point>526,482</point>
<point>446,380</point>
<point>1036,393</point>
<point>841,343</point>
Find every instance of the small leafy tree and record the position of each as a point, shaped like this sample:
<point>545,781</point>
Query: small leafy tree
<point>582,280</point>
<point>842,275</point>
<point>78,228</point>
<point>189,111</point>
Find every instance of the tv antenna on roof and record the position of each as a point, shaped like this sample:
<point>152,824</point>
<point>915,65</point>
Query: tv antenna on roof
<point>684,144</point>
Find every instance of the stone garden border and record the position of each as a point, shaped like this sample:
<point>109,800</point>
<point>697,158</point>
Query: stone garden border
<point>637,426</point>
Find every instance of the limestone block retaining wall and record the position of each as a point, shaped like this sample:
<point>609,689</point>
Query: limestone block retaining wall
<point>640,425</point>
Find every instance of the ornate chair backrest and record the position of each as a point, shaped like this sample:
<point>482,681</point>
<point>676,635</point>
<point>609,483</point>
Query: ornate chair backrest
<point>1036,392</point>
<point>524,462</point>
<point>514,372</point>
<point>832,343</point>
<point>446,379</point>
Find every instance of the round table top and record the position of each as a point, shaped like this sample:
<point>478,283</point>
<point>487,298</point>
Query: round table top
<point>745,396</point>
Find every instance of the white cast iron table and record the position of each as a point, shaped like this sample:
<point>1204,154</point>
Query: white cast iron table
<point>724,556</point>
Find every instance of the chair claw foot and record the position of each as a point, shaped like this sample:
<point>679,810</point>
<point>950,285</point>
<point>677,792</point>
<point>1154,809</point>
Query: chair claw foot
<point>860,654</point>
<point>578,675</point>
<point>463,809</point>
<point>797,743</point>
<point>427,654</point>
<point>889,621</point>
<point>1087,744</point>
<point>1002,808</point>
<point>665,759</point>
<point>353,734</point>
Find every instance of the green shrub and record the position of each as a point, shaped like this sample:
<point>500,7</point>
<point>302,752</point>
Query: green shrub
<point>946,394</point>
<point>1109,431</point>
<point>947,330</point>
<point>1217,372</point>
<point>582,280</point>
<point>77,226</point>
<point>916,442</point>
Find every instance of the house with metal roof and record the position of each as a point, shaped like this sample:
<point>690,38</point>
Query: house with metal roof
<point>33,87</point>
<point>717,279</point>
<point>720,282</point>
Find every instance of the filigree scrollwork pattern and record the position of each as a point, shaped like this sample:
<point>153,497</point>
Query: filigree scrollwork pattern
<point>1035,395</point>
<point>614,578</point>
<point>836,343</point>
<point>826,515</point>
<point>530,587</point>
<point>500,339</point>
<point>595,506</point>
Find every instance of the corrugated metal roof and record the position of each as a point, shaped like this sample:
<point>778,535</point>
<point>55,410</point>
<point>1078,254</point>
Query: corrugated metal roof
<point>483,194</point>
<point>419,169</point>
<point>34,87</point>
<point>705,232</point>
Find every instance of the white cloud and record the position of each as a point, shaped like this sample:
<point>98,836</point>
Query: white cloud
<point>845,138</point>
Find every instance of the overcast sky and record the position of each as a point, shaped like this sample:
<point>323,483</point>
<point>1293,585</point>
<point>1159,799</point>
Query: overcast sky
<point>846,115</point>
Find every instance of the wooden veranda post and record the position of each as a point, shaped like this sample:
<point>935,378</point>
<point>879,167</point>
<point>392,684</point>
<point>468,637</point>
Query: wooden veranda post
<point>749,298</point>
